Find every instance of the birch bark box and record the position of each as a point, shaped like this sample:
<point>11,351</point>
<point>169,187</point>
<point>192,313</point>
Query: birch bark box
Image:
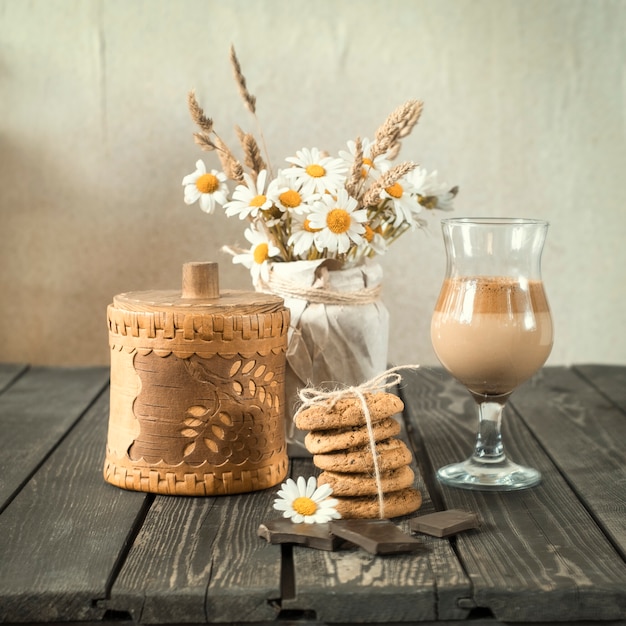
<point>197,389</point>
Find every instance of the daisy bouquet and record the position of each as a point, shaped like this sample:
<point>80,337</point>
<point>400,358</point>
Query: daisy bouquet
<point>314,228</point>
<point>345,208</point>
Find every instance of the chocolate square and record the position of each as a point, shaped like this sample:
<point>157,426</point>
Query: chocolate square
<point>283,530</point>
<point>377,536</point>
<point>444,523</point>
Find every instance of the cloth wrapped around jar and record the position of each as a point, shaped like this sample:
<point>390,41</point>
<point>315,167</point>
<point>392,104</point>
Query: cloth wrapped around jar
<point>339,330</point>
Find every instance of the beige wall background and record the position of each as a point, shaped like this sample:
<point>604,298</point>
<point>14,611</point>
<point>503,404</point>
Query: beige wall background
<point>525,109</point>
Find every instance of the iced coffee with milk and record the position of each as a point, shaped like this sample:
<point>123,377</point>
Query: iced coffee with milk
<point>492,330</point>
<point>492,333</point>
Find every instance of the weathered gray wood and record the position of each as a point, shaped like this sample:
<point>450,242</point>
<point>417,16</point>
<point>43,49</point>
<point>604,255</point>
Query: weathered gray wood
<point>9,372</point>
<point>61,536</point>
<point>354,586</point>
<point>585,434</point>
<point>539,554</point>
<point>200,559</point>
<point>242,560</point>
<point>608,379</point>
<point>36,412</point>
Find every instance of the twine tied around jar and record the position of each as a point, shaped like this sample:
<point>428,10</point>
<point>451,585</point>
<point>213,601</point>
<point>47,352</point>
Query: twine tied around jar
<point>312,396</point>
<point>319,292</point>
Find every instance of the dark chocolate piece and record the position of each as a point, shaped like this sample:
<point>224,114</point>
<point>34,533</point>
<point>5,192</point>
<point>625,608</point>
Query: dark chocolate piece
<point>444,523</point>
<point>377,536</point>
<point>283,530</point>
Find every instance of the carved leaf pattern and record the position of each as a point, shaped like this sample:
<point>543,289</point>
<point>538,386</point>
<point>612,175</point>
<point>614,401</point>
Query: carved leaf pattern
<point>245,425</point>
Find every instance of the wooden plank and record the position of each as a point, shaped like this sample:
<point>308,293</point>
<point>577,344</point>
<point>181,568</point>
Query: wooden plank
<point>354,586</point>
<point>247,572</point>
<point>9,372</point>
<point>608,379</point>
<point>62,535</point>
<point>539,554</point>
<point>200,559</point>
<point>35,413</point>
<point>584,433</point>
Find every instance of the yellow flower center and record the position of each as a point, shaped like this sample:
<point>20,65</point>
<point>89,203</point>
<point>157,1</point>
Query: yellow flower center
<point>304,506</point>
<point>315,171</point>
<point>207,183</point>
<point>307,226</point>
<point>395,191</point>
<point>369,233</point>
<point>261,253</point>
<point>290,198</point>
<point>338,221</point>
<point>258,200</point>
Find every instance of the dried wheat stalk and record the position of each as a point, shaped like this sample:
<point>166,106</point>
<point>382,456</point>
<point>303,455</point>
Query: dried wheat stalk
<point>252,153</point>
<point>197,114</point>
<point>389,178</point>
<point>355,178</point>
<point>248,98</point>
<point>398,125</point>
<point>231,166</point>
<point>204,141</point>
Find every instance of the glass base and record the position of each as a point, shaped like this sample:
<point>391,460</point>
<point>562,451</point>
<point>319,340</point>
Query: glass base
<point>485,476</point>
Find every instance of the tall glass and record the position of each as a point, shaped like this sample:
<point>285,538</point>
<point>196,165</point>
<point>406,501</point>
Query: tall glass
<point>492,330</point>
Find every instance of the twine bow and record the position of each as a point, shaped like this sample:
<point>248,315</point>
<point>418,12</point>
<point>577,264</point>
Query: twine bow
<point>312,396</point>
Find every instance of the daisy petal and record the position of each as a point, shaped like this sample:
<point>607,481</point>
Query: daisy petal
<point>322,492</point>
<point>191,179</point>
<point>311,486</point>
<point>290,488</point>
<point>207,204</point>
<point>191,194</point>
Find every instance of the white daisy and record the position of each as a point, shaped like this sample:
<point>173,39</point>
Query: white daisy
<point>208,187</point>
<point>256,259</point>
<point>405,204</point>
<point>288,195</point>
<point>338,222</point>
<point>302,236</point>
<point>250,198</point>
<point>317,173</point>
<point>372,169</point>
<point>304,501</point>
<point>430,193</point>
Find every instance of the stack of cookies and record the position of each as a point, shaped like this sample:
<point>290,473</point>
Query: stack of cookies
<point>339,441</point>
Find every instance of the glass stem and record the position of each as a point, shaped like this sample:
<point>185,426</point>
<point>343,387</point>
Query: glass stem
<point>489,447</point>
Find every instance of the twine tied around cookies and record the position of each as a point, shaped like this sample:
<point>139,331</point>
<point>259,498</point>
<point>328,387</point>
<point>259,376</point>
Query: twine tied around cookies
<point>311,396</point>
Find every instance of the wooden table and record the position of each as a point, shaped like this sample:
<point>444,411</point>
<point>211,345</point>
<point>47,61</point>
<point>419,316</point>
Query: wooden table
<point>73,548</point>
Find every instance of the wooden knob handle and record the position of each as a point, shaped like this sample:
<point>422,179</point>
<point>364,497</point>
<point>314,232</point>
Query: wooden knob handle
<point>201,280</point>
